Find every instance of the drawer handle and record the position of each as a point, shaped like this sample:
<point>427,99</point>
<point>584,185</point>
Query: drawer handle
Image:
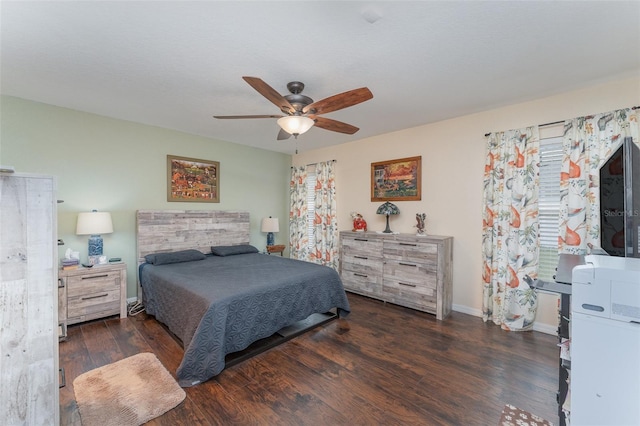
<point>95,276</point>
<point>407,285</point>
<point>361,257</point>
<point>408,244</point>
<point>60,283</point>
<point>94,297</point>
<point>361,239</point>
<point>63,379</point>
<point>408,264</point>
<point>360,275</point>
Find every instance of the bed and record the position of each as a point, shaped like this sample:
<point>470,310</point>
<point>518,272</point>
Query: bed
<point>221,302</point>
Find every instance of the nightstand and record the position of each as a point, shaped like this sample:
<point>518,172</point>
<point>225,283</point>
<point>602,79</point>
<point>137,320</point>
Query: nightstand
<point>91,293</point>
<point>276,249</point>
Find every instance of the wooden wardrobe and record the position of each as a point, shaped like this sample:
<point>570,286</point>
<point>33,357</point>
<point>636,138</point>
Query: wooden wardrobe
<point>29,393</point>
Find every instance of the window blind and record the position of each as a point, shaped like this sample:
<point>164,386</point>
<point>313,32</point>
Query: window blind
<point>549,205</point>
<point>311,207</point>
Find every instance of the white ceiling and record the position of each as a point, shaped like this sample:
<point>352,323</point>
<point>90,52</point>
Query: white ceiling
<point>175,64</point>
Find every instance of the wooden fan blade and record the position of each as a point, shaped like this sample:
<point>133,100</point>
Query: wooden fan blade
<point>339,101</point>
<point>246,116</point>
<point>282,135</point>
<point>334,125</point>
<point>270,93</point>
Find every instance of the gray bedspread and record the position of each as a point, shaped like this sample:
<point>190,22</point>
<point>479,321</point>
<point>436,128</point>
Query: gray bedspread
<point>223,304</point>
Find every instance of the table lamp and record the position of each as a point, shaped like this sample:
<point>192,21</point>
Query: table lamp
<point>388,209</point>
<point>270,225</point>
<point>94,223</point>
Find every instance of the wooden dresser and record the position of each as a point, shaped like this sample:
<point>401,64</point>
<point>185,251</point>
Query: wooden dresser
<point>92,293</point>
<point>404,269</point>
<point>29,372</point>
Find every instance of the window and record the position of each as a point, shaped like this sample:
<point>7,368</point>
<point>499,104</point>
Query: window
<point>549,205</point>
<point>311,209</point>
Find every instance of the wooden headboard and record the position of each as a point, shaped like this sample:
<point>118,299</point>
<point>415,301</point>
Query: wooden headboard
<point>160,231</point>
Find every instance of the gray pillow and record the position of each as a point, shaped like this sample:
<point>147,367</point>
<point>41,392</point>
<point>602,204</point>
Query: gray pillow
<point>174,257</point>
<point>232,250</point>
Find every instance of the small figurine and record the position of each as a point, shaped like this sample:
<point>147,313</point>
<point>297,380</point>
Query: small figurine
<point>420,218</point>
<point>359,224</point>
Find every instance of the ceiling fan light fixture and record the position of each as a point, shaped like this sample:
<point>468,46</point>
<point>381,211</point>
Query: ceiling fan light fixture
<point>295,124</point>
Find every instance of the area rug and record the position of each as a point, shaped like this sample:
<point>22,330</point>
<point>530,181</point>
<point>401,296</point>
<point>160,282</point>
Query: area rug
<point>131,391</point>
<point>514,416</point>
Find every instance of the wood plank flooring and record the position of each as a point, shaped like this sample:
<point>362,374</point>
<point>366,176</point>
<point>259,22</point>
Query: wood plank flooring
<point>392,366</point>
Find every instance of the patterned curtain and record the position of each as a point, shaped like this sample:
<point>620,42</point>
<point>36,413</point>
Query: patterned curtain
<point>325,228</point>
<point>510,228</point>
<point>298,238</point>
<point>588,142</point>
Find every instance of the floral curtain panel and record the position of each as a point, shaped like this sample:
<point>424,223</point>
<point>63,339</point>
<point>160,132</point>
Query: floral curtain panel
<point>298,238</point>
<point>510,228</point>
<point>325,223</point>
<point>587,143</point>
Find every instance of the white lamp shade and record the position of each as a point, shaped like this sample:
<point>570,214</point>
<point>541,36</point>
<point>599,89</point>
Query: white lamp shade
<point>94,223</point>
<point>295,124</point>
<point>270,224</point>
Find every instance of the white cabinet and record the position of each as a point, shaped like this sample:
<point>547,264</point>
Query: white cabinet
<point>28,301</point>
<point>605,341</point>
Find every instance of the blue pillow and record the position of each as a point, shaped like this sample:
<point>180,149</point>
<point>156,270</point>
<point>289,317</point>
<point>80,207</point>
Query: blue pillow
<point>232,250</point>
<point>174,257</point>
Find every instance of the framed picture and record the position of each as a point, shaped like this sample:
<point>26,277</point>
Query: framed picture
<point>396,180</point>
<point>190,179</point>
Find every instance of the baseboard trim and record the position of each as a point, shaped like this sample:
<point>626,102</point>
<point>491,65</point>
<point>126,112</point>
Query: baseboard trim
<point>537,326</point>
<point>467,310</point>
<point>546,328</point>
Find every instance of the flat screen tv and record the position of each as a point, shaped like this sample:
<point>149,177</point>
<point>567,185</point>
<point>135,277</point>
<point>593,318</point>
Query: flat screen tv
<point>620,201</point>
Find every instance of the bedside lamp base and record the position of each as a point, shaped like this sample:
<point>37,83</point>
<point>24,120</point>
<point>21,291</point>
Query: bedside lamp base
<point>95,245</point>
<point>387,229</point>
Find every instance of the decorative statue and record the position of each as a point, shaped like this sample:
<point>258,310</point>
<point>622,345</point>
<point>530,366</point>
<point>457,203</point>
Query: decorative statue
<point>420,218</point>
<point>359,224</point>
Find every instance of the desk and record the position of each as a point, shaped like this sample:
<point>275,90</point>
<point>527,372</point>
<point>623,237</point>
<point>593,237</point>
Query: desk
<point>275,249</point>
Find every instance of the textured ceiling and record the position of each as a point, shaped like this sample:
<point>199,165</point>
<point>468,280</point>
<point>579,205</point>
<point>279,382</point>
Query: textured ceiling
<point>175,64</point>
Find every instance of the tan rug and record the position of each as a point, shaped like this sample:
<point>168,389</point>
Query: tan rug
<point>514,416</point>
<point>131,391</point>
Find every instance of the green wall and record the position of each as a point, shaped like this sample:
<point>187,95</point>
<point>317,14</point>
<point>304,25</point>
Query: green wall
<point>119,166</point>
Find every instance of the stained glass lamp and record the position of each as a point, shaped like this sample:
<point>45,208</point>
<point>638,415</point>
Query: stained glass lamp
<point>388,209</point>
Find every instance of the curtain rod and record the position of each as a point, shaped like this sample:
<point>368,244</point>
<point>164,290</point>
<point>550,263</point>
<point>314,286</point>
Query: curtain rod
<point>555,122</point>
<point>315,164</point>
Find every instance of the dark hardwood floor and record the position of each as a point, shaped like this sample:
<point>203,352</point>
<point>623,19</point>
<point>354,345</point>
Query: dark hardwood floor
<point>392,366</point>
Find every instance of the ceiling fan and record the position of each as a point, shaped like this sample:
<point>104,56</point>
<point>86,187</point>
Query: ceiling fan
<point>301,112</point>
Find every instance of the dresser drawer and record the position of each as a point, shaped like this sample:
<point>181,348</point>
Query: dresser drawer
<point>411,272</point>
<point>361,246</point>
<point>362,264</point>
<point>413,297</point>
<point>94,282</point>
<point>92,296</point>
<point>362,283</point>
<point>425,253</point>
<point>397,284</point>
<point>89,306</point>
